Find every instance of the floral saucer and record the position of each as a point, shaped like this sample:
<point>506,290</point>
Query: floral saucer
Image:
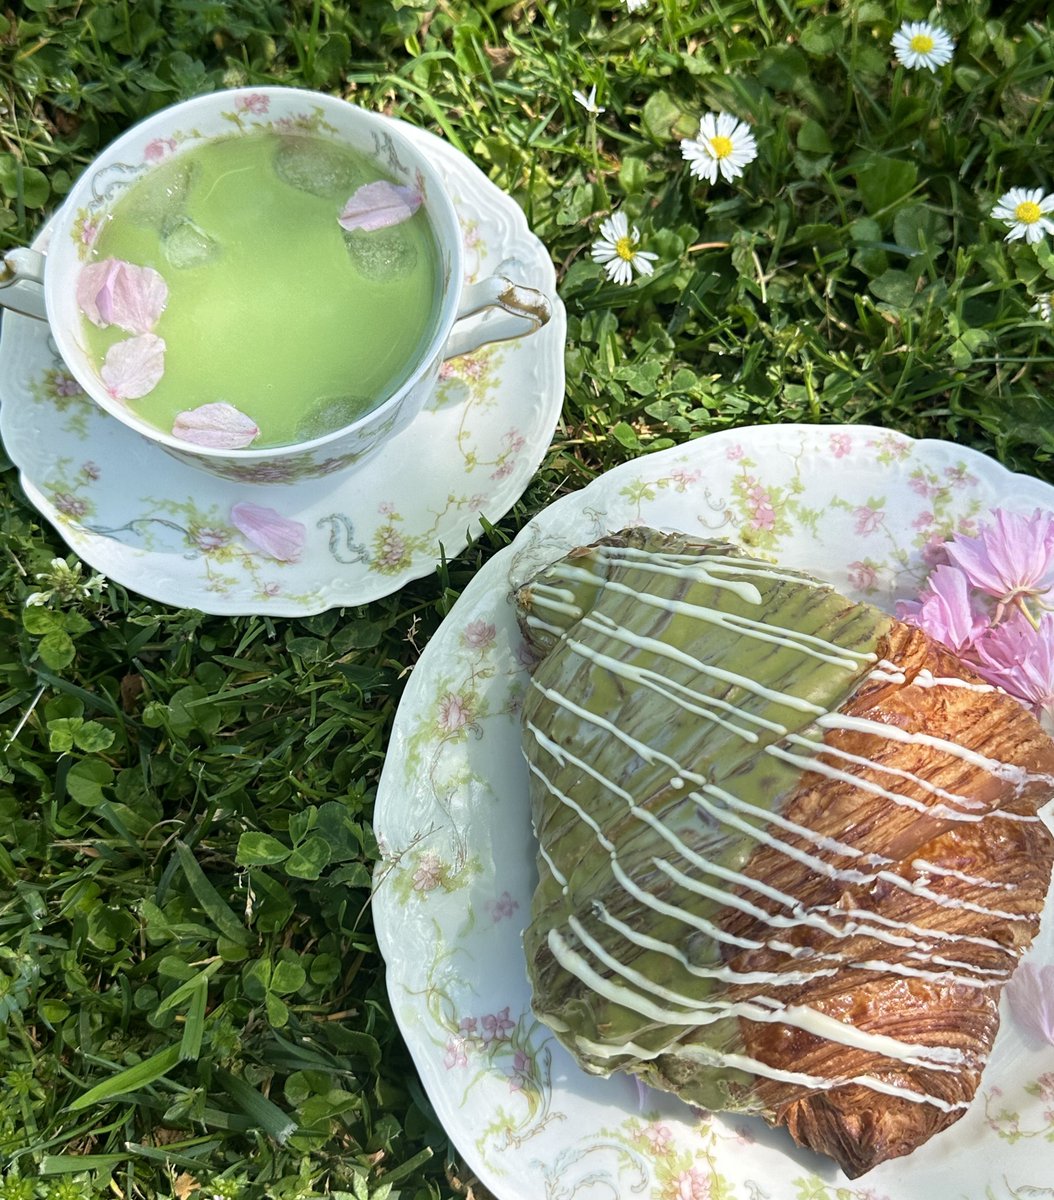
<point>164,529</point>
<point>860,507</point>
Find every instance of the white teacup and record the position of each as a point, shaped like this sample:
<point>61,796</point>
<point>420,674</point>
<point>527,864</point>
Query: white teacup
<point>45,286</point>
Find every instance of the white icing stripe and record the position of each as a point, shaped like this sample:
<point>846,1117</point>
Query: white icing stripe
<point>744,626</point>
<point>803,914</point>
<point>798,1016</point>
<point>742,1062</point>
<point>716,563</point>
<point>923,865</point>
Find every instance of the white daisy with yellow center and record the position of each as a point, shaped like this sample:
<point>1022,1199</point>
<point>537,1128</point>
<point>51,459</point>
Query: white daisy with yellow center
<point>617,249</point>
<point>920,44</point>
<point>1025,211</point>
<point>723,144</point>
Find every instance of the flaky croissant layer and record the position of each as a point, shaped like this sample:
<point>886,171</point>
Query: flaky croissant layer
<point>788,846</point>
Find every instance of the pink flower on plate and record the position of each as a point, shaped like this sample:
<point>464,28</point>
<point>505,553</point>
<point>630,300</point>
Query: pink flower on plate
<point>455,1054</point>
<point>379,205</point>
<point>503,907</point>
<point>455,712</point>
<point>734,453</point>
<point>1010,559</point>
<point>866,520</point>
<point>269,531</point>
<point>841,444</point>
<point>683,479</point>
<point>219,425</point>
<point>693,1185</point>
<point>1031,996</point>
<point>862,576</point>
<point>1020,659</point>
<point>429,872</point>
<point>946,610</point>
<point>256,103</point>
<point>479,634</point>
<point>115,292</point>
<point>498,1026</point>
<point>156,150</point>
<point>134,367</point>
<point>522,1072</point>
<point>660,1138</point>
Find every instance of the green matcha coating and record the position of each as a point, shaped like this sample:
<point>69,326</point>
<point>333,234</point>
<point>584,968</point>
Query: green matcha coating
<point>699,745</point>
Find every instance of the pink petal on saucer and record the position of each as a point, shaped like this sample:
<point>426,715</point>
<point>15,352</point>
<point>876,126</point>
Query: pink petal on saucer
<point>115,292</point>
<point>378,205</point>
<point>269,531</point>
<point>220,426</point>
<point>133,367</point>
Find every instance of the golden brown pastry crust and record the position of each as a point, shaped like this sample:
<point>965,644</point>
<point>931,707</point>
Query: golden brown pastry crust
<point>854,1124</point>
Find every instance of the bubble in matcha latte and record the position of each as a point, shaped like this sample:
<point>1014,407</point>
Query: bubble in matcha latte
<point>224,278</point>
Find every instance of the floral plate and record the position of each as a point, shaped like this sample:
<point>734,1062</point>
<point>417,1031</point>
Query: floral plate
<point>163,529</point>
<point>857,506</point>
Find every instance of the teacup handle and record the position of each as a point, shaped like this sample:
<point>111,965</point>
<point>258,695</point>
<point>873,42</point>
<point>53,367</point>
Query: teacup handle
<point>524,310</point>
<point>22,282</point>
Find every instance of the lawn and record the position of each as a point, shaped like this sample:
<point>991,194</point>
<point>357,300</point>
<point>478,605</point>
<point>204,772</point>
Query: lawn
<point>192,1001</point>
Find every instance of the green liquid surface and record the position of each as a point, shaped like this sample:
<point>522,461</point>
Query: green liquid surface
<point>272,306</point>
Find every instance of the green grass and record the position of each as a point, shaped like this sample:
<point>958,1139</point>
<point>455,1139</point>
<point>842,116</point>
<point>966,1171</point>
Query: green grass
<point>191,996</point>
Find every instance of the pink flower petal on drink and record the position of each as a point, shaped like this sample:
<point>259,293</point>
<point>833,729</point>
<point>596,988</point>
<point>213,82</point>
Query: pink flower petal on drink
<point>220,426</point>
<point>1031,996</point>
<point>115,292</point>
<point>378,205</point>
<point>133,367</point>
<point>269,531</point>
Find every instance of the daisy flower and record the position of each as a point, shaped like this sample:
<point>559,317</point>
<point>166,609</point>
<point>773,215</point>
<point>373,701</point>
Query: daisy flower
<point>919,44</point>
<point>1044,306</point>
<point>616,249</point>
<point>723,144</point>
<point>1025,211</point>
<point>589,103</point>
<point>635,5</point>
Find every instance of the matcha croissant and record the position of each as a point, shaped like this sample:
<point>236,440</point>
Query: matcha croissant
<point>788,845</point>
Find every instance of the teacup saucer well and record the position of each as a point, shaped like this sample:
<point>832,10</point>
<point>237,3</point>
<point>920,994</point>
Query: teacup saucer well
<point>165,529</point>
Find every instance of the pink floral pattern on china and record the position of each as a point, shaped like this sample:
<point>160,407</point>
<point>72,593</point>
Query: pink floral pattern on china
<point>163,528</point>
<point>862,507</point>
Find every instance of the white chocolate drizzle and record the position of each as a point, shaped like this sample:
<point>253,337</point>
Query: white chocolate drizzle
<point>720,887</point>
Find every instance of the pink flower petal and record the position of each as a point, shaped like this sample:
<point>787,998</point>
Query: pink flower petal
<point>1031,996</point>
<point>378,205</point>
<point>114,292</point>
<point>133,367</point>
<point>1012,557</point>
<point>269,531</point>
<point>220,426</point>
<point>1020,659</point>
<point>946,610</point>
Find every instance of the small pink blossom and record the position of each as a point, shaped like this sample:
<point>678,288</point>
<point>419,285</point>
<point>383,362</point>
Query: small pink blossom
<point>91,470</point>
<point>934,552</point>
<point>89,232</point>
<point>946,610</point>
<point>386,508</point>
<point>272,589</point>
<point>219,425</point>
<point>521,1074</point>
<point>1010,559</point>
<point>1031,996</point>
<point>379,205</point>
<point>134,367</point>
<point>921,486</point>
<point>255,103</point>
<point>65,385</point>
<point>734,453</point>
<point>504,470</point>
<point>429,872</point>
<point>514,441</point>
<point>841,444</point>
<point>1020,659</point>
<point>923,521</point>
<point>867,520</point>
<point>455,712</point>
<point>479,634</point>
<point>503,907</point>
<point>455,1054</point>
<point>660,1137</point>
<point>693,1185</point>
<point>156,149</point>
<point>269,531</point>
<point>208,540</point>
<point>393,551</point>
<point>862,576</point>
<point>115,292</point>
<point>467,1026</point>
<point>69,504</point>
<point>498,1026</point>
<point>959,477</point>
